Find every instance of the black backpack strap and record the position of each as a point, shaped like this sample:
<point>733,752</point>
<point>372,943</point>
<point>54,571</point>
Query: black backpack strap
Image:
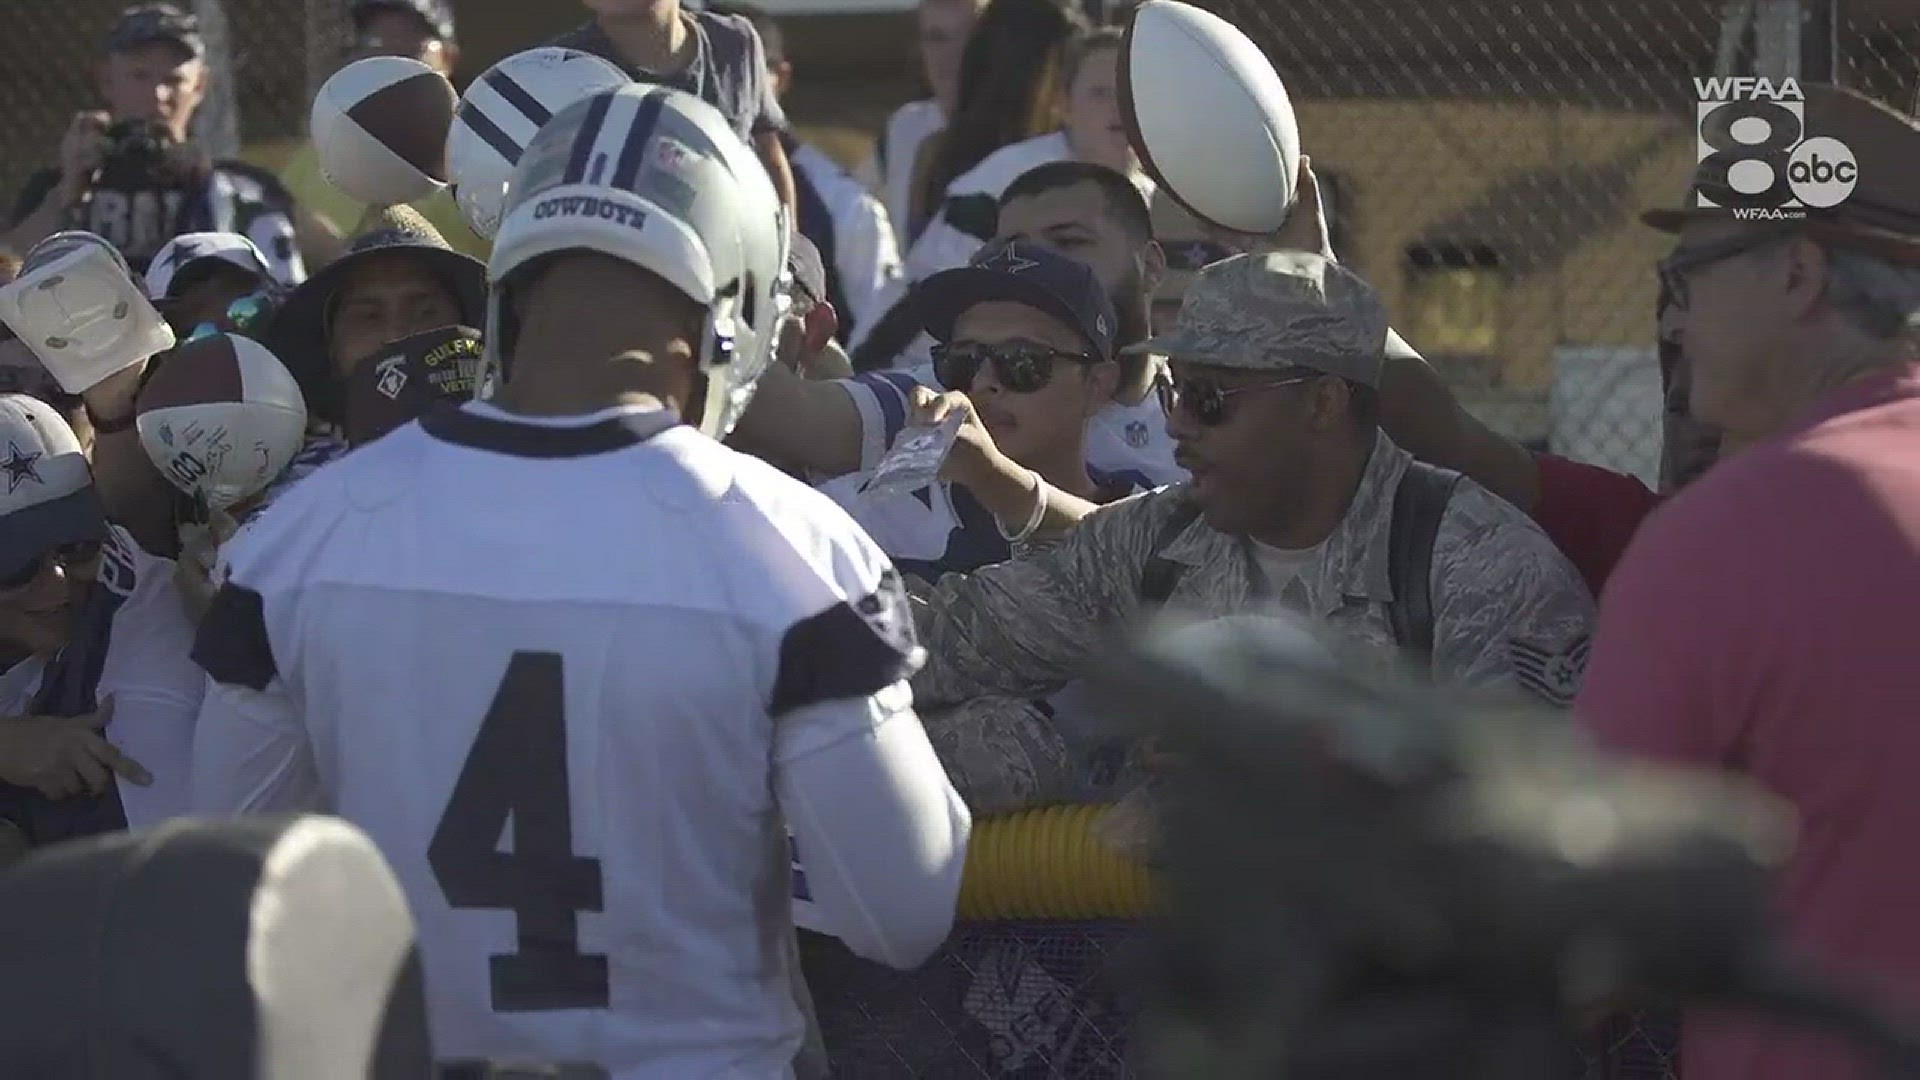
<point>1161,574</point>
<point>1418,505</point>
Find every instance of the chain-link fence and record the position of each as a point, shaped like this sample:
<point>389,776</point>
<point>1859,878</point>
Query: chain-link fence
<point>266,57</point>
<point>1487,158</point>
<point>1491,157</point>
<point>1050,1000</point>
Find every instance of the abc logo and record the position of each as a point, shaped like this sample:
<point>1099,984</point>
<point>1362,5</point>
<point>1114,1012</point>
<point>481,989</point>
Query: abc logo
<point>1822,172</point>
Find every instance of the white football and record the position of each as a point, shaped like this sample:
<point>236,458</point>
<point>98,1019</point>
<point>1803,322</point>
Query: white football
<point>500,114</point>
<point>1209,117</point>
<point>380,129</point>
<point>221,418</point>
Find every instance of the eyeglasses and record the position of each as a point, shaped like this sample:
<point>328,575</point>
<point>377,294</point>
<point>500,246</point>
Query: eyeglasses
<point>1685,260</point>
<point>1021,367</point>
<point>69,556</point>
<point>1203,398</point>
<point>243,316</point>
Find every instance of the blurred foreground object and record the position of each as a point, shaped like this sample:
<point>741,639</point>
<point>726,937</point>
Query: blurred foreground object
<point>266,948</point>
<point>1370,879</point>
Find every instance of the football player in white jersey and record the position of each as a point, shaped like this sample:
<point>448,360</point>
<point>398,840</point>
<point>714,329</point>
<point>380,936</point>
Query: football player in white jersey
<point>571,662</point>
<point>1086,212</point>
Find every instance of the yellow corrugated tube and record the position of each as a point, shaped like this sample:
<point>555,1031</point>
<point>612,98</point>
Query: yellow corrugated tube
<point>1050,864</point>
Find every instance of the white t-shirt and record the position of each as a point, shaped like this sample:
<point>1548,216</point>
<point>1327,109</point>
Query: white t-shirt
<point>889,173</point>
<point>562,672</point>
<point>1282,565</point>
<point>133,645</point>
<point>866,258</point>
<point>1125,443</point>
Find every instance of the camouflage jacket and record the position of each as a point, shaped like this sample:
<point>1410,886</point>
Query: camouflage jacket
<point>1508,609</point>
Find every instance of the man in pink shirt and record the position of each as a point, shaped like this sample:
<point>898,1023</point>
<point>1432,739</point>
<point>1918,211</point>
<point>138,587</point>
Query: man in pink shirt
<point>1764,620</point>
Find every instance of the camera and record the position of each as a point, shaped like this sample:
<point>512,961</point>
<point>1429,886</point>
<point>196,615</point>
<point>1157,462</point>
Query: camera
<point>138,148</point>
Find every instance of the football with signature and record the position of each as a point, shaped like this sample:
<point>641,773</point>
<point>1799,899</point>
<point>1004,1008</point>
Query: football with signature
<point>220,418</point>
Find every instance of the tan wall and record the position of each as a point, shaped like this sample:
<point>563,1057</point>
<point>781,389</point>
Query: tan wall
<point>1410,166</point>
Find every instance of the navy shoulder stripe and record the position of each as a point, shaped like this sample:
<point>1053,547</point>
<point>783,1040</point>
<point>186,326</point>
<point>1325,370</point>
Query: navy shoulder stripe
<point>232,644</point>
<point>850,650</point>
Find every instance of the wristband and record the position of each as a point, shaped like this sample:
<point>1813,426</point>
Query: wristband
<point>109,427</point>
<point>1039,512</point>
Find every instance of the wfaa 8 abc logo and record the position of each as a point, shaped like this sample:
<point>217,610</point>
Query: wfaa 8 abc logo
<point>1756,159</point>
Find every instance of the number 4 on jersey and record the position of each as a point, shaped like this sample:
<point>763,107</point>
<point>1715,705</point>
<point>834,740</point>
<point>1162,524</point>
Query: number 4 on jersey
<point>518,769</point>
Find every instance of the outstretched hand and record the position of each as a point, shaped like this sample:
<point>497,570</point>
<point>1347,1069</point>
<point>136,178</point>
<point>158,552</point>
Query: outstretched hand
<point>1304,230</point>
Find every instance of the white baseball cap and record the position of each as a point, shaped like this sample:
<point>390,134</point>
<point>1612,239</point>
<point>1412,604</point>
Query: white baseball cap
<point>47,497</point>
<point>187,249</point>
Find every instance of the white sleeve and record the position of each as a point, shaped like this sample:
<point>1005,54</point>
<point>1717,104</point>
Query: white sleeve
<point>151,678</point>
<point>867,257</point>
<point>250,752</point>
<point>939,247</point>
<point>879,828</point>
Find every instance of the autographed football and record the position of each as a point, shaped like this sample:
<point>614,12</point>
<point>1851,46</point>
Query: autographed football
<point>220,418</point>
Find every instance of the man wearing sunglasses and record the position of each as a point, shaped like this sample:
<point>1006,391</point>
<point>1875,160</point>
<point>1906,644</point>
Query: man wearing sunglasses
<point>1088,213</point>
<point>102,644</point>
<point>1297,500</point>
<point>1763,621</point>
<point>1028,336</point>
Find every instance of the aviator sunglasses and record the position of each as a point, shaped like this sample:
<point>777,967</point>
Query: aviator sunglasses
<point>244,316</point>
<point>69,556</point>
<point>1205,400</point>
<point>1021,367</point>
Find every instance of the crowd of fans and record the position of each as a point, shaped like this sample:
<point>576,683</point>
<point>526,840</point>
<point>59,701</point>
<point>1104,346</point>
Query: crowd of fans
<point>1152,414</point>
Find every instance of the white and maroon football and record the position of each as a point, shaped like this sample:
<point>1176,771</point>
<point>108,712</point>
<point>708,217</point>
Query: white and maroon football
<point>1209,117</point>
<point>380,129</point>
<point>221,417</point>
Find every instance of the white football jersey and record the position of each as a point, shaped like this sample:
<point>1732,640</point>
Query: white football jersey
<point>1124,442</point>
<point>132,642</point>
<point>554,668</point>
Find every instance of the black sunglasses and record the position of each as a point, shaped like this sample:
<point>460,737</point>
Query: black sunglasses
<point>1022,367</point>
<point>1205,400</point>
<point>69,556</point>
<point>1688,258</point>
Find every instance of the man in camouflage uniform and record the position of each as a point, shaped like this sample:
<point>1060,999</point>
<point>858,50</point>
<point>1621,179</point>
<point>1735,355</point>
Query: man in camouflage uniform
<point>1276,361</point>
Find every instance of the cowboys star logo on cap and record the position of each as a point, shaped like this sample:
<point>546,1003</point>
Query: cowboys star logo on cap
<point>20,466</point>
<point>1008,259</point>
<point>178,253</point>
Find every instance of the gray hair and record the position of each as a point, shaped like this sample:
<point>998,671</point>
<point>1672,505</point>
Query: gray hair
<point>1881,299</point>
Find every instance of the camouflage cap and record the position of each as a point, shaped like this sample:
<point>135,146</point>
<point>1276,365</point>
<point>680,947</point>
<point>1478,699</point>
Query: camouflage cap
<point>1279,310</point>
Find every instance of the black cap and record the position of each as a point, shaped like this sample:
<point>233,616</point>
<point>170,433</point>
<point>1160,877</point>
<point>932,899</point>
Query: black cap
<point>1064,288</point>
<point>436,14</point>
<point>156,24</point>
<point>809,273</point>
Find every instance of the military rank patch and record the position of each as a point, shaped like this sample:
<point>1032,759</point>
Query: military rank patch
<point>1553,674</point>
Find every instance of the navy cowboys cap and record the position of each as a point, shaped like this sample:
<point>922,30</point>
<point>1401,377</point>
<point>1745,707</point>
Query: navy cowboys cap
<point>156,24</point>
<point>1024,273</point>
<point>48,499</point>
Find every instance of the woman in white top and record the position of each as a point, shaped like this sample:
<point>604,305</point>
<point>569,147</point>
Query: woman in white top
<point>945,26</point>
<point>1092,131</point>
